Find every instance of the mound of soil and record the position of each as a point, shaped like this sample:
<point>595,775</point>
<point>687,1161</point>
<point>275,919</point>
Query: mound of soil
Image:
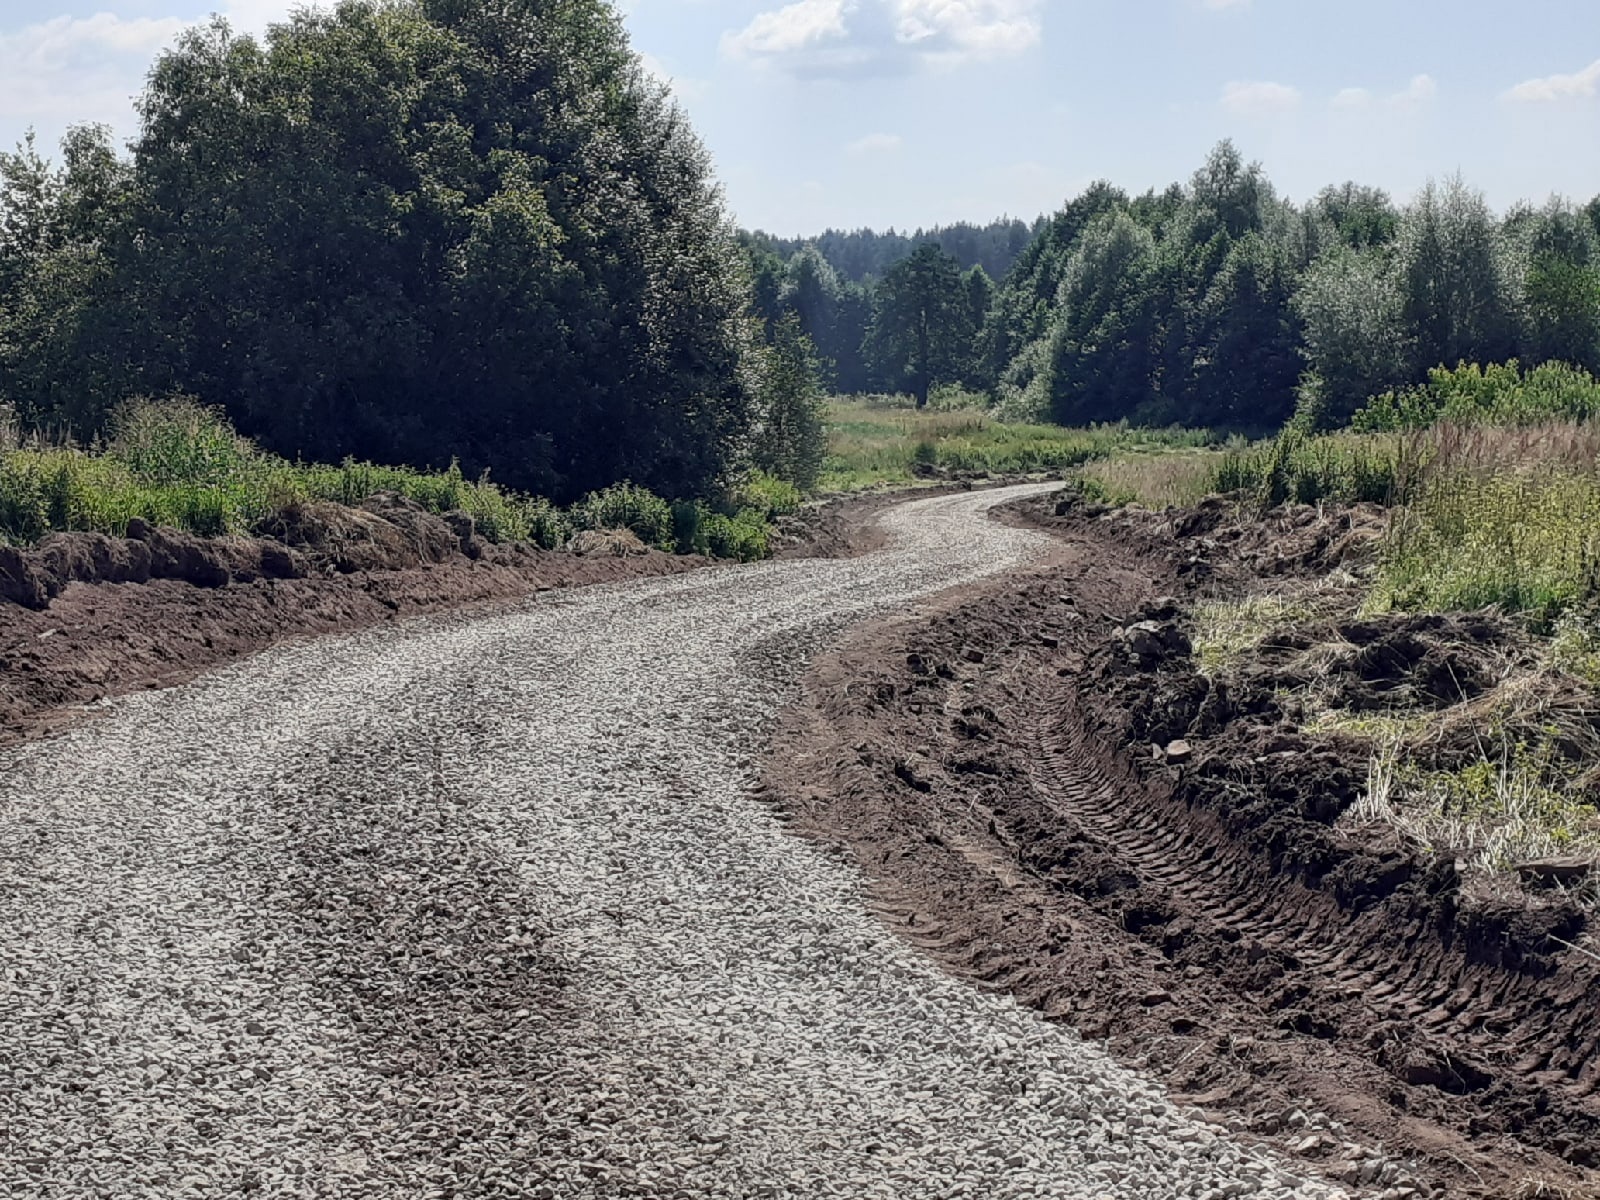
<point>1052,799</point>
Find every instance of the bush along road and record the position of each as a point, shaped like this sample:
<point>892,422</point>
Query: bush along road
<point>491,907</point>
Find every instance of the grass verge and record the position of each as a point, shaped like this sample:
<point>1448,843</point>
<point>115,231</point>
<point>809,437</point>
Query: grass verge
<point>886,440</point>
<point>177,463</point>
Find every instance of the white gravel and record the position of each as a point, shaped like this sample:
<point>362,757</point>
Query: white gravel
<point>469,908</point>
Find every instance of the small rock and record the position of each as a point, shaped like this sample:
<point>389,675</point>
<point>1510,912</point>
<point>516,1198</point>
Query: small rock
<point>972,655</point>
<point>1179,752</point>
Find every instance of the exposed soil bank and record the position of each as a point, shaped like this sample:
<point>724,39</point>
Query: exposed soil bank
<point>992,771</point>
<point>90,617</point>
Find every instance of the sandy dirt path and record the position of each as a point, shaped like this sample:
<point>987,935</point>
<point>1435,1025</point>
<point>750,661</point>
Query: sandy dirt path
<point>486,907</point>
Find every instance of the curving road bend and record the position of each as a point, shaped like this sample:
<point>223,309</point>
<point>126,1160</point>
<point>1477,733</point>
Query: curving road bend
<point>483,908</point>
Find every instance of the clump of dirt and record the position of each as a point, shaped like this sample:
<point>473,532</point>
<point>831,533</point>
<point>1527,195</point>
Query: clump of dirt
<point>1053,798</point>
<point>1223,534</point>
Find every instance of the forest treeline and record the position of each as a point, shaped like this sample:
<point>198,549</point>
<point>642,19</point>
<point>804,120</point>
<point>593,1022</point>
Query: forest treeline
<point>861,255</point>
<point>407,232</point>
<point>1214,303</point>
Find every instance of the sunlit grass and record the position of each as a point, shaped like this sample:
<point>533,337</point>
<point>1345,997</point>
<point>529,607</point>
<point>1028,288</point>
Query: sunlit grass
<point>884,440</point>
<point>179,464</point>
<point>1515,804</point>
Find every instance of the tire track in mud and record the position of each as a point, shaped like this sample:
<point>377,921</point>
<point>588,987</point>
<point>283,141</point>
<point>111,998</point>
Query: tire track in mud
<point>965,760</point>
<point>1308,935</point>
<point>1509,1026</point>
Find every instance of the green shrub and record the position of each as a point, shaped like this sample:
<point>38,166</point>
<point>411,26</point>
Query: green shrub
<point>1495,395</point>
<point>627,506</point>
<point>773,496</point>
<point>1296,468</point>
<point>176,463</point>
<point>179,441</point>
<point>743,536</point>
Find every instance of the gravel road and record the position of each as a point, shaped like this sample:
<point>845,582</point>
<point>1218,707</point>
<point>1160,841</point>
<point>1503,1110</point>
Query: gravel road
<point>474,908</point>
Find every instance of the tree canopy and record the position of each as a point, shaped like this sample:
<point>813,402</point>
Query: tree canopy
<point>407,231</point>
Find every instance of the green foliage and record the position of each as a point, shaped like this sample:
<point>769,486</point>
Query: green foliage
<point>768,494</point>
<point>408,232</point>
<point>791,440</point>
<point>1349,307</point>
<point>180,464</point>
<point>862,255</point>
<point>627,506</point>
<point>922,327</point>
<point>1456,276</point>
<point>1355,216</point>
<point>1496,395</point>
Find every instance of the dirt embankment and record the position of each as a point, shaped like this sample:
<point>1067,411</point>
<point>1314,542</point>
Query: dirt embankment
<point>85,617</point>
<point>1052,799</point>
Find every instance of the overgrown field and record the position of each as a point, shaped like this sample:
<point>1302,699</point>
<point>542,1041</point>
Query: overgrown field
<point>886,440</point>
<point>177,463</point>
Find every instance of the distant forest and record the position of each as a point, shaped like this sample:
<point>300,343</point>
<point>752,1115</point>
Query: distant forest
<point>859,255</point>
<point>1215,302</point>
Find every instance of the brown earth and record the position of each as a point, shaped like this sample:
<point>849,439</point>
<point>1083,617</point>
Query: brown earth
<point>85,617</point>
<point>1202,906</point>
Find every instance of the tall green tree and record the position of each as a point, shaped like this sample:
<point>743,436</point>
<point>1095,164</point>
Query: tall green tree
<point>1024,302</point>
<point>1561,287</point>
<point>1456,288</point>
<point>791,437</point>
<point>428,229</point>
<point>1355,215</point>
<point>1351,308</point>
<point>1100,361</point>
<point>62,346</point>
<point>922,331</point>
<point>1247,359</point>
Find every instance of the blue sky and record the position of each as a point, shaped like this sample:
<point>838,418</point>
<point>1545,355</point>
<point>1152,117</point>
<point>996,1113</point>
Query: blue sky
<point>914,112</point>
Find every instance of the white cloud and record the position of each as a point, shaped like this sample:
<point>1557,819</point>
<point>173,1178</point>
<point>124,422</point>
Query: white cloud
<point>69,69</point>
<point>81,67</point>
<point>976,28</point>
<point>1259,99</point>
<point>875,143</point>
<point>1582,85</point>
<point>794,27</point>
<point>886,36</point>
<point>1421,90</point>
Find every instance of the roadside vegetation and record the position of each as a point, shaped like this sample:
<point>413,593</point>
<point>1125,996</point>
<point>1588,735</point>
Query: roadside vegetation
<point>889,440</point>
<point>178,463</point>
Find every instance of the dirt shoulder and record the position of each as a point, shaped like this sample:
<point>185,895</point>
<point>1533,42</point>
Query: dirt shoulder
<point>1006,775</point>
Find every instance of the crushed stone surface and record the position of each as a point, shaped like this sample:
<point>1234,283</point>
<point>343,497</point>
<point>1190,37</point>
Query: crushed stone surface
<point>487,908</point>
